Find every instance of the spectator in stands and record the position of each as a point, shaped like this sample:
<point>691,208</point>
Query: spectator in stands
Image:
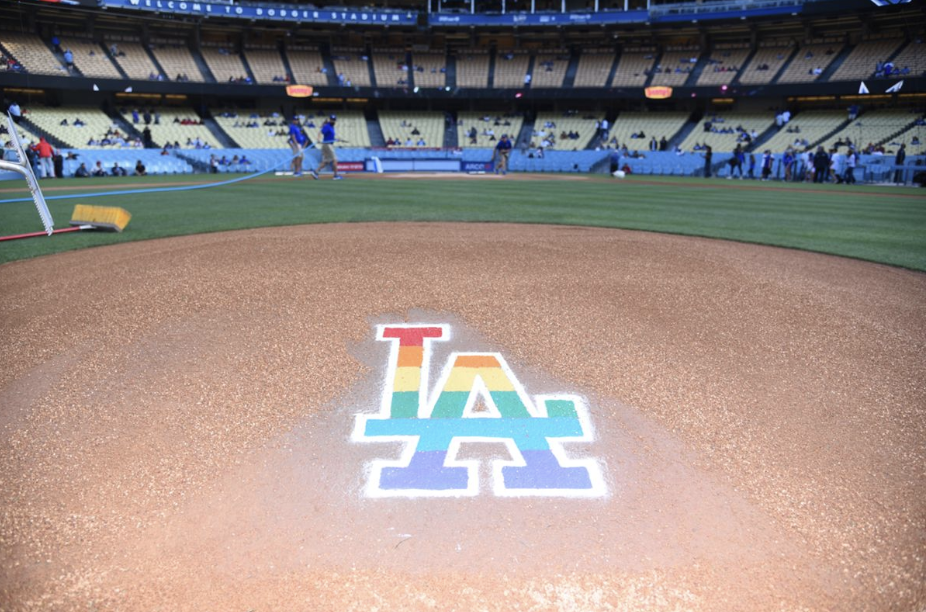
<point>117,171</point>
<point>663,144</point>
<point>64,123</point>
<point>653,145</point>
<point>165,151</point>
<point>69,59</point>
<point>821,165</point>
<point>213,164</point>
<point>140,169</point>
<point>82,171</point>
<point>915,140</point>
<point>98,169</point>
<point>15,112</point>
<point>147,117</point>
<point>56,44</point>
<point>420,143</point>
<point>146,138</point>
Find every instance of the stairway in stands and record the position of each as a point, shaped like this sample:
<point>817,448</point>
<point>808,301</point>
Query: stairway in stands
<point>617,60</point>
<point>524,136</point>
<point>55,142</point>
<point>202,65</point>
<point>492,54</point>
<point>784,66</point>
<point>451,138</point>
<point>746,62</point>
<point>226,141</point>
<point>451,76</point>
<point>692,79</point>
<point>686,129</point>
<point>570,80</point>
<point>377,139</point>
<point>836,63</point>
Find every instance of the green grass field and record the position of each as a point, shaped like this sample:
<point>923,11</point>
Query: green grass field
<point>880,224</point>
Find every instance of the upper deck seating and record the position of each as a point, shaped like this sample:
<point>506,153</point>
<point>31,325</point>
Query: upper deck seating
<point>861,62</point>
<point>391,68</point>
<point>351,67</point>
<point>810,61</point>
<point>724,63</point>
<point>675,65</point>
<point>550,69</point>
<point>511,69</point>
<point>176,59</point>
<point>473,69</point>
<point>224,62</point>
<point>32,52</point>
<point>634,67</point>
<point>430,69</point>
<point>266,64</point>
<point>90,58</point>
<point>766,63</point>
<point>307,65</point>
<point>134,59</point>
<point>594,67</point>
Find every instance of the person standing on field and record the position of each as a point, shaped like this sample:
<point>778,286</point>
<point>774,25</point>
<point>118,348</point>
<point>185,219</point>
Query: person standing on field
<point>297,141</point>
<point>708,156</point>
<point>851,161</point>
<point>502,152</point>
<point>45,152</point>
<point>821,166</point>
<point>328,157</point>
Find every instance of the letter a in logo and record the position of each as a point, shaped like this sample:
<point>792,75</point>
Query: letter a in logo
<point>434,423</point>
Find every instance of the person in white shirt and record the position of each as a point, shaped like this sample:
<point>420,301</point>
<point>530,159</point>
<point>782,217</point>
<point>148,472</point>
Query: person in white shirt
<point>15,112</point>
<point>851,161</point>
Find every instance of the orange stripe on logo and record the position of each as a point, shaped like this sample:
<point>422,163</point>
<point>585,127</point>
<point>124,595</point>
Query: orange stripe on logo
<point>476,361</point>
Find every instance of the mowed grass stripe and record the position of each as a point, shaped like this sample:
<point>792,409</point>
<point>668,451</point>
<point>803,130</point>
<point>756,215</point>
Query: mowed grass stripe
<point>853,222</point>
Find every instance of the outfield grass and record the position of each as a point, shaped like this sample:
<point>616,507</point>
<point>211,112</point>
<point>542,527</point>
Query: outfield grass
<point>880,224</point>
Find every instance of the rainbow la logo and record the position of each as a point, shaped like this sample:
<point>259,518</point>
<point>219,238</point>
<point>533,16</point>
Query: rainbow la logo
<point>433,423</point>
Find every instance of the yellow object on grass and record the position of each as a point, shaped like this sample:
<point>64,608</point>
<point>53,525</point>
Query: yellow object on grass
<point>101,217</point>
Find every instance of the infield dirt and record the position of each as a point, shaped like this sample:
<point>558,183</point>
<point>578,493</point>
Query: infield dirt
<point>175,419</point>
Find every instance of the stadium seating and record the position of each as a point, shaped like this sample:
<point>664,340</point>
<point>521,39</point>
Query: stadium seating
<point>134,59</point>
<point>809,61</point>
<point>96,124</point>
<point>270,132</point>
<point>390,67</point>
<point>511,69</point>
<point>675,65</point>
<point>912,57</point>
<point>651,124</point>
<point>582,123</point>
<point>307,65</point>
<point>170,130</point>
<point>266,64</point>
<point>466,121</point>
<point>720,142</point>
<point>724,63</point>
<point>861,62</point>
<point>634,66</point>
<point>32,52</point>
<point>907,136</point>
<point>351,127</point>
<point>400,125</point>
<point>813,125</point>
<point>473,69</point>
<point>555,161</point>
<point>176,59</point>
<point>224,62</point>
<point>766,63</point>
<point>351,66</point>
<point>90,58</point>
<point>154,162</point>
<point>872,127</point>
<point>550,69</point>
<point>594,68</point>
<point>430,69</point>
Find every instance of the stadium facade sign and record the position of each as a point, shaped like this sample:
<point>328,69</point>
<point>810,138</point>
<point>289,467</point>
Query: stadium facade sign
<point>658,93</point>
<point>537,19</point>
<point>299,91</point>
<point>434,423</point>
<point>207,9</point>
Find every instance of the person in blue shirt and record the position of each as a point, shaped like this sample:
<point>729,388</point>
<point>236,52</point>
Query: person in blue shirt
<point>297,142</point>
<point>328,157</point>
<point>502,151</point>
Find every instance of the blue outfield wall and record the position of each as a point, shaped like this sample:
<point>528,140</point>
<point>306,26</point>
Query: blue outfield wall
<point>872,168</point>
